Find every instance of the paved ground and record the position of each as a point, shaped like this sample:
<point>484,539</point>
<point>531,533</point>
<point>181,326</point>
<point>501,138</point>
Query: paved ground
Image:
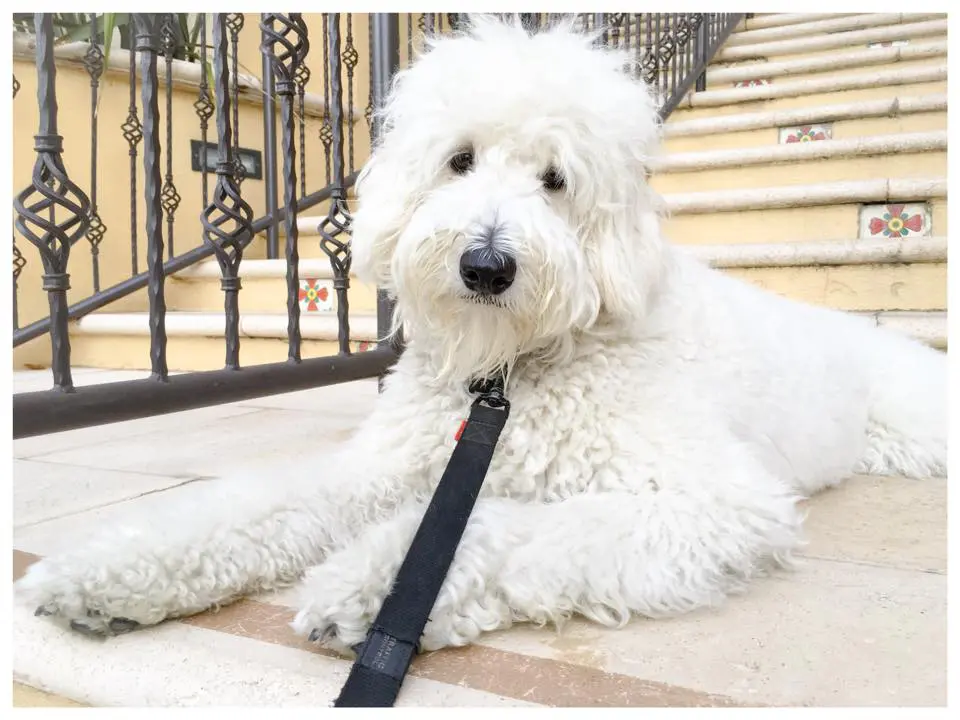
<point>862,622</point>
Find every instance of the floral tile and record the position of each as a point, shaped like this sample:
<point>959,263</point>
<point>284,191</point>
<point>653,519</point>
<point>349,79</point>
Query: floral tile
<point>896,220</point>
<point>806,133</point>
<point>755,82</point>
<point>364,346</point>
<point>316,295</point>
<point>889,43</point>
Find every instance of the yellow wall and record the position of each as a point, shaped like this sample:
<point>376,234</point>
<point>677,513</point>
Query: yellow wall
<point>73,95</point>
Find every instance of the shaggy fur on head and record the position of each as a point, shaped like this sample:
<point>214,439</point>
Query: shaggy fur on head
<point>666,418</point>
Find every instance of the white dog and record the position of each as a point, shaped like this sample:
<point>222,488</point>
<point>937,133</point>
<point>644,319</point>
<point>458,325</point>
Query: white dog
<point>666,419</point>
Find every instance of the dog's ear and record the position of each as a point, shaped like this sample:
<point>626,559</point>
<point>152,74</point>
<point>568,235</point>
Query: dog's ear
<point>625,255</point>
<point>383,210</point>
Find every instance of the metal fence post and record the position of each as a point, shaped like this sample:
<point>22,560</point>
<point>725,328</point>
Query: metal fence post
<point>384,62</point>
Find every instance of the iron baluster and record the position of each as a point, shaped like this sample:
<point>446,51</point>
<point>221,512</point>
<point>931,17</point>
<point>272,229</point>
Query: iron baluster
<point>50,182</point>
<point>338,218</point>
<point>326,129</point>
<point>291,37</point>
<point>350,59</point>
<point>147,47</point>
<point>19,262</point>
<point>133,134</point>
<point>226,208</point>
<point>169,195</point>
<point>235,25</point>
<point>204,109</point>
<point>301,77</point>
<point>271,200</point>
<point>93,63</point>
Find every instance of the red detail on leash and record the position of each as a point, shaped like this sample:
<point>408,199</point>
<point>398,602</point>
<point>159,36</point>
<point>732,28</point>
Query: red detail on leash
<point>463,424</point>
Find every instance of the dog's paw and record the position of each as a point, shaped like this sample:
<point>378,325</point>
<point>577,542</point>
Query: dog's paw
<point>338,609</point>
<point>90,600</point>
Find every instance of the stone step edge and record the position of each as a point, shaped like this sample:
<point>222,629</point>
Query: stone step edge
<point>816,253</point>
<point>918,142</point>
<point>815,86</point>
<point>363,326</point>
<point>839,61</point>
<point>885,190</point>
<point>186,75</point>
<point>739,255</point>
<point>891,108</point>
<point>780,19</point>
<point>816,27</point>
<point>928,326</point>
<point>832,41</point>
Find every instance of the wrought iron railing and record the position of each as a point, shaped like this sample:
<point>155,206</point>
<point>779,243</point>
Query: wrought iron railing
<point>53,213</point>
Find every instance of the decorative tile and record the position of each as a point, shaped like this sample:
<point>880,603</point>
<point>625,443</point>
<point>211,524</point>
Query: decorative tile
<point>755,82</point>
<point>364,345</point>
<point>896,220</point>
<point>889,43</point>
<point>316,295</point>
<point>806,133</point>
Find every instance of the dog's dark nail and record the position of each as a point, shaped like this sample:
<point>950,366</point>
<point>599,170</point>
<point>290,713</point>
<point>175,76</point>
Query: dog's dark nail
<point>85,629</point>
<point>315,635</point>
<point>43,610</point>
<point>123,625</point>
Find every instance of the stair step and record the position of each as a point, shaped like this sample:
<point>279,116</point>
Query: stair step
<point>887,107</point>
<point>766,20</point>
<point>863,191</point>
<point>858,251</point>
<point>264,288</point>
<point>363,326</point>
<point>825,26</point>
<point>928,327</point>
<point>797,46</point>
<point>797,88</point>
<point>731,73</point>
<point>798,152</point>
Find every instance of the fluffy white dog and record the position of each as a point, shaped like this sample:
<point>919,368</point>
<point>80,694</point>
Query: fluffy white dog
<point>666,418</point>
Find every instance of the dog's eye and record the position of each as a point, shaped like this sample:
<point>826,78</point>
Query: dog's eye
<point>553,180</point>
<point>462,162</point>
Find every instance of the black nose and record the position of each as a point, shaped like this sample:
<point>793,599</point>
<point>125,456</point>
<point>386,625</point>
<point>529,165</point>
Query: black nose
<point>487,271</point>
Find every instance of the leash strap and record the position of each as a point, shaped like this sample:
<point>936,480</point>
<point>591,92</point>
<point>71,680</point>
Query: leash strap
<point>385,656</point>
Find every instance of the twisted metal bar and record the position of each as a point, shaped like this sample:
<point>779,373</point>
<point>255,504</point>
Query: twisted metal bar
<point>19,261</point>
<point>286,45</point>
<point>350,59</point>
<point>169,195</point>
<point>204,109</point>
<point>338,219</point>
<point>93,63</point>
<point>235,23</point>
<point>301,77</point>
<point>50,182</point>
<point>226,206</point>
<point>326,128</point>
<point>133,134</point>
<point>146,46</point>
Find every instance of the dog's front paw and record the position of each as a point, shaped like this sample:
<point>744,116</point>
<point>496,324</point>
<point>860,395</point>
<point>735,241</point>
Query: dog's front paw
<point>93,600</point>
<point>339,605</point>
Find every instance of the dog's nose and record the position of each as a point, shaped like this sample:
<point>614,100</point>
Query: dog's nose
<point>486,271</point>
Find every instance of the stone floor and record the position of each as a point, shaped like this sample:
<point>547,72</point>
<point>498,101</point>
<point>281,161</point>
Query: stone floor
<point>861,622</point>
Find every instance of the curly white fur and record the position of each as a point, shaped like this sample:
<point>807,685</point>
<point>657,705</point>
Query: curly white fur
<point>666,418</point>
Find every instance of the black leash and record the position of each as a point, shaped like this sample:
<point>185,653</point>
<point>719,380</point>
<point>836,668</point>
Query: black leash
<point>385,656</point>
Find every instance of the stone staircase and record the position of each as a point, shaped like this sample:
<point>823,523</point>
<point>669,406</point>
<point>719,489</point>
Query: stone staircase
<point>814,165</point>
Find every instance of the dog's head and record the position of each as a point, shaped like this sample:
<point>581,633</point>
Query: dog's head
<point>506,207</point>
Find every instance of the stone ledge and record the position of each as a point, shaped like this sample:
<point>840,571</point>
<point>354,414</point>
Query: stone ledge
<point>837,193</point>
<point>890,108</point>
<point>919,142</point>
<point>831,41</point>
<point>815,86</point>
